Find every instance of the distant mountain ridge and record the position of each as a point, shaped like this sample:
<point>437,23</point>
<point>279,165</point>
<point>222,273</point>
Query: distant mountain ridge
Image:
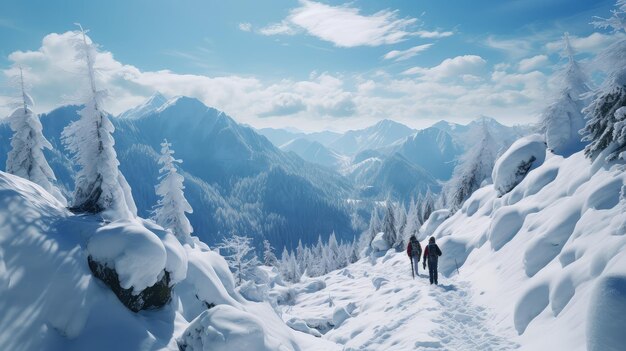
<point>235,179</point>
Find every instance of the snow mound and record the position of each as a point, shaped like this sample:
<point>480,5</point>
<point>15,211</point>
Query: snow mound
<point>431,224</point>
<point>556,252</point>
<point>302,326</point>
<point>225,328</point>
<point>525,154</point>
<point>379,243</point>
<point>137,255</point>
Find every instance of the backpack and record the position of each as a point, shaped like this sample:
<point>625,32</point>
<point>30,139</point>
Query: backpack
<point>433,251</point>
<point>416,249</point>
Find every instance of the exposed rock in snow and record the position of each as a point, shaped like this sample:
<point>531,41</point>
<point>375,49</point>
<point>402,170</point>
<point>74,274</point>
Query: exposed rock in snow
<point>525,154</point>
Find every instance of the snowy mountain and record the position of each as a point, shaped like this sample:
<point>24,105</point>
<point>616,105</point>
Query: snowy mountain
<point>280,137</point>
<point>379,176</point>
<point>465,134</point>
<point>314,152</point>
<point>152,104</point>
<point>382,134</point>
<point>432,149</point>
<point>235,179</point>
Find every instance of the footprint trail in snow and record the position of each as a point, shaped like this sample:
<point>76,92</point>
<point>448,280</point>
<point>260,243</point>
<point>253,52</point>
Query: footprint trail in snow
<point>394,312</point>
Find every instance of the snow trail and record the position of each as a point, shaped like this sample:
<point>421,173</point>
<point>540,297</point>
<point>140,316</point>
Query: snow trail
<point>394,312</point>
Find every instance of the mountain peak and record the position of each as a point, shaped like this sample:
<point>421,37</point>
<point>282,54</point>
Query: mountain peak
<point>183,102</point>
<point>154,102</point>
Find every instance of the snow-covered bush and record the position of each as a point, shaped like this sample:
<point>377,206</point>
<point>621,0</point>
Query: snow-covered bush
<point>525,154</point>
<point>380,244</point>
<point>172,206</point>
<point>240,256</point>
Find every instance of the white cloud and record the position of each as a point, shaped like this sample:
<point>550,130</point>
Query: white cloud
<point>514,47</point>
<point>433,34</point>
<point>401,55</point>
<point>321,100</point>
<point>282,28</point>
<point>450,67</point>
<point>593,43</point>
<point>533,63</point>
<point>345,26</point>
<point>246,27</point>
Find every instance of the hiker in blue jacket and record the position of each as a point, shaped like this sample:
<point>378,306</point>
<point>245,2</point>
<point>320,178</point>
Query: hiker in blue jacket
<point>431,254</point>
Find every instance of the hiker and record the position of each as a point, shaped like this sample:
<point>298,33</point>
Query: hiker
<point>414,250</point>
<point>432,253</point>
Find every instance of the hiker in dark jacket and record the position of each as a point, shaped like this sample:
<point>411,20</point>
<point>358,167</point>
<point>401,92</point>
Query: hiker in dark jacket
<point>414,251</point>
<point>431,254</point>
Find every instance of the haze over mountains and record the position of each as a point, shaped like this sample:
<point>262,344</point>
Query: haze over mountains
<point>271,183</point>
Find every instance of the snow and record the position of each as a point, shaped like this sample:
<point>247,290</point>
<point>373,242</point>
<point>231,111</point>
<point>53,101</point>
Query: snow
<point>379,243</point>
<point>136,253</point>
<point>554,244</point>
<point>49,299</point>
<point>433,221</point>
<point>525,154</point>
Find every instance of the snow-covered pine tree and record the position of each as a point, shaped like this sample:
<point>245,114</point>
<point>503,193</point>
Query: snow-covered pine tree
<point>100,186</point>
<point>240,256</point>
<point>269,258</point>
<point>26,158</point>
<point>401,224</point>
<point>563,119</point>
<point>172,205</point>
<point>602,114</point>
<point>389,225</point>
<point>413,223</point>
<point>428,206</point>
<point>474,167</point>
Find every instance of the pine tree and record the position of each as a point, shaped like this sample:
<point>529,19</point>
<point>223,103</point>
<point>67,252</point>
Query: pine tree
<point>26,158</point>
<point>602,114</point>
<point>100,186</point>
<point>172,206</point>
<point>474,167</point>
<point>428,206</point>
<point>269,258</point>
<point>401,224</point>
<point>240,256</point>
<point>413,221</point>
<point>563,119</point>
<point>389,225</point>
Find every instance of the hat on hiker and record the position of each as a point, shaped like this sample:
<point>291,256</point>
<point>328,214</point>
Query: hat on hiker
<point>432,239</point>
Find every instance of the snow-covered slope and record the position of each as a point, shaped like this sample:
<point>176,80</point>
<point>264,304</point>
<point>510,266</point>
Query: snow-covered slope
<point>49,300</point>
<point>549,256</point>
<point>314,152</point>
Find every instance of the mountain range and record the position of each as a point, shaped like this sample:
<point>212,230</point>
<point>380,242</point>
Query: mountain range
<point>272,184</point>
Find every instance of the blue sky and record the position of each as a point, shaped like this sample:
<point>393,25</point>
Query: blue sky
<point>307,64</point>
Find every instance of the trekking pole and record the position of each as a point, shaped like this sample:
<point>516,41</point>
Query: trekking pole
<point>412,269</point>
<point>457,267</point>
